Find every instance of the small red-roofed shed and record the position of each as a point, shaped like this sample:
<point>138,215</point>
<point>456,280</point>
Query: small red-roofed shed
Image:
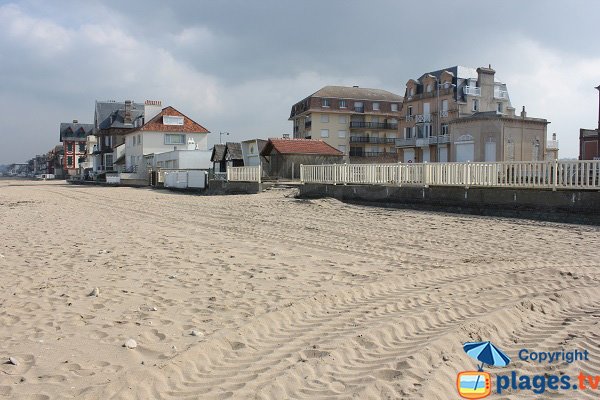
<point>284,156</point>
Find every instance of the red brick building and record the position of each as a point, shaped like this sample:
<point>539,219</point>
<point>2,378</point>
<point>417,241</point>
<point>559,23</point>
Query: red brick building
<point>589,139</point>
<point>73,137</point>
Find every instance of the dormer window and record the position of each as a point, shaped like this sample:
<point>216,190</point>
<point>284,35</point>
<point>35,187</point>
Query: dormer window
<point>325,102</point>
<point>429,88</point>
<point>172,120</point>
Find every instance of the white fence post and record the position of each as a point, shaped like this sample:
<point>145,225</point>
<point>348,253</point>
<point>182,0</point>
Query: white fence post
<point>555,175</point>
<point>426,172</point>
<point>301,173</point>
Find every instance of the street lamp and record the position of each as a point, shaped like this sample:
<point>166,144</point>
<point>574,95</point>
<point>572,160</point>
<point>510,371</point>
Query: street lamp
<point>221,134</point>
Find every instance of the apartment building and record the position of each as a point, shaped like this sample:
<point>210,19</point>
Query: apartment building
<point>436,99</point>
<point>362,123</point>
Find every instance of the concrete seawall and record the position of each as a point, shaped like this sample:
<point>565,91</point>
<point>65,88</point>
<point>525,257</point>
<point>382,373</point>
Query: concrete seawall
<point>577,206</point>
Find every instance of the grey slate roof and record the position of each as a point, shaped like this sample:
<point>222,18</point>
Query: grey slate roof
<point>356,93</point>
<point>233,151</point>
<point>111,114</point>
<point>218,153</point>
<point>75,131</point>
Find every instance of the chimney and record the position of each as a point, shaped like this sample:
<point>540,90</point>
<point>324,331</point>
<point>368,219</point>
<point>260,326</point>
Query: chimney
<point>127,118</point>
<point>355,86</point>
<point>75,121</point>
<point>554,136</point>
<point>151,109</point>
<point>523,113</point>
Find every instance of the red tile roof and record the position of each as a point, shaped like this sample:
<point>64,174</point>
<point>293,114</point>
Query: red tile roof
<point>156,123</point>
<point>300,146</point>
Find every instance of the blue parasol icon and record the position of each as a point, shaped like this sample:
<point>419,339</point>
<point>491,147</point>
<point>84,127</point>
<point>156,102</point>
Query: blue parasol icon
<point>487,353</point>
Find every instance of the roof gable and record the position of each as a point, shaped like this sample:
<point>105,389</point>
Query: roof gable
<point>157,124</point>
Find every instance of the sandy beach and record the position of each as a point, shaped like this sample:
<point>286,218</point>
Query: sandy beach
<point>285,298</point>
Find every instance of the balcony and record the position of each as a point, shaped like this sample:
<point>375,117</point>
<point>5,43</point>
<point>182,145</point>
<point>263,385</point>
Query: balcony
<point>369,139</point>
<point>422,118</point>
<point>500,94</point>
<point>472,91</point>
<point>410,118</point>
<point>444,113</point>
<point>370,153</point>
<point>359,109</point>
<point>410,142</point>
<point>442,139</point>
<point>372,125</point>
<point>422,142</point>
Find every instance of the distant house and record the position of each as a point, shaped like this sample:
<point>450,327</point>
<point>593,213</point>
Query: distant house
<point>233,154</point>
<point>170,132</point>
<point>112,120</point>
<point>73,136</point>
<point>218,158</point>
<point>251,150</point>
<point>284,156</point>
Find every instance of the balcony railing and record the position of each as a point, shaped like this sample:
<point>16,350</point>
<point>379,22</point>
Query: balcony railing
<point>444,113</point>
<point>421,118</point>
<point>359,109</point>
<point>472,91</point>
<point>370,153</point>
<point>442,139</point>
<point>410,118</point>
<point>372,125</point>
<point>370,139</point>
<point>500,94</point>
<point>410,142</point>
<point>422,142</point>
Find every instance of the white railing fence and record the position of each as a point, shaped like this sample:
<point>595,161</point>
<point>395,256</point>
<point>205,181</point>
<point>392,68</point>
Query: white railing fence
<point>244,174</point>
<point>540,174</point>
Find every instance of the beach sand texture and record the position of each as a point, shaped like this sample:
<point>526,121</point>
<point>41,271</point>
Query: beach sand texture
<point>288,298</point>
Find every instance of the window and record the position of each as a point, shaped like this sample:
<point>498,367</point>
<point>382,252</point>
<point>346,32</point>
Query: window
<point>174,139</point>
<point>375,120</point>
<point>172,120</point>
<point>411,92</point>
<point>342,148</point>
<point>324,118</point>
<point>342,103</point>
<point>500,108</point>
<point>81,147</point>
<point>444,129</point>
<point>429,88</point>
<point>475,104</point>
<point>408,133</point>
<point>69,161</point>
<point>342,134</point>
<point>69,146</point>
<point>409,111</point>
<point>445,105</point>
<point>108,141</point>
<point>394,107</point>
<point>325,133</point>
<point>427,130</point>
<point>358,106</point>
<point>325,102</point>
<point>342,119</point>
<point>139,139</point>
<point>375,106</point>
<point>134,140</point>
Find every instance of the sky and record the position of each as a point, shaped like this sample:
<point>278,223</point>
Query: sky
<point>238,66</point>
